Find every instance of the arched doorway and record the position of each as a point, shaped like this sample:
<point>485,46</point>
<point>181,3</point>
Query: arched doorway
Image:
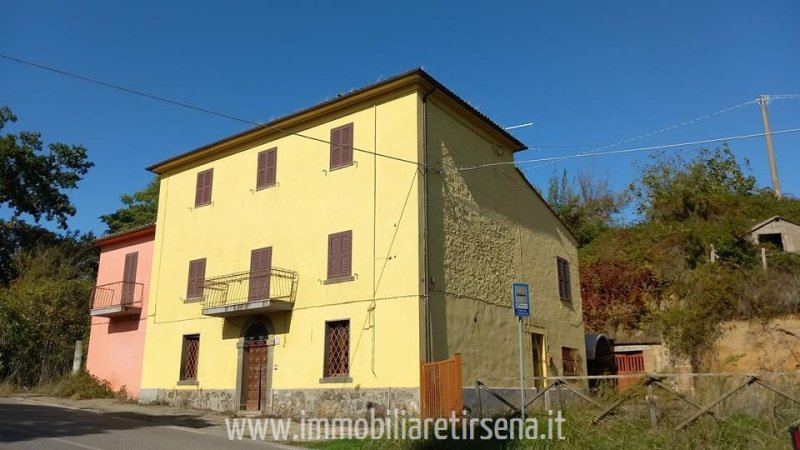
<point>257,366</point>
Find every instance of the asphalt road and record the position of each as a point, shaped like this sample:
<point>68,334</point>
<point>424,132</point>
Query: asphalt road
<point>27,424</point>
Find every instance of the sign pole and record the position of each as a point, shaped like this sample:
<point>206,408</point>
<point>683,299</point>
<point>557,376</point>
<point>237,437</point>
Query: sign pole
<point>521,376</point>
<point>521,301</point>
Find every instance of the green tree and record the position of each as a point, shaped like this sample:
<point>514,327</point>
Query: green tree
<point>32,181</point>
<point>586,205</point>
<point>141,208</point>
<point>44,311</point>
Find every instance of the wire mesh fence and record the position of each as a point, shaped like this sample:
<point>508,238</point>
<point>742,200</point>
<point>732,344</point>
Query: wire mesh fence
<point>675,401</point>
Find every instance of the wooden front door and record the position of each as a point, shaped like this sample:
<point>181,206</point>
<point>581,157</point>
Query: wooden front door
<point>129,277</point>
<point>257,375</point>
<point>260,264</point>
<point>537,350</point>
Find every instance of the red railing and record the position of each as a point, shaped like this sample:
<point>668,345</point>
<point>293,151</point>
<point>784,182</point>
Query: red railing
<point>121,293</point>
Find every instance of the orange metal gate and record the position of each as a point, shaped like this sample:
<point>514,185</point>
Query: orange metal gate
<point>629,363</point>
<point>440,388</point>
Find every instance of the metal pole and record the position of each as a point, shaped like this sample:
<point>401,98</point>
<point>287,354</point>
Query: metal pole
<point>773,167</point>
<point>521,376</point>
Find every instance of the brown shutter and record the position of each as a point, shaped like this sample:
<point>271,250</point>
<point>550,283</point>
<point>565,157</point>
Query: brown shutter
<point>336,148</point>
<point>261,171</point>
<point>340,254</point>
<point>131,261</point>
<point>260,265</point>
<point>342,146</point>
<point>129,277</point>
<point>347,144</point>
<point>271,166</point>
<point>347,253</point>
<point>334,255</point>
<point>202,194</point>
<point>197,275</point>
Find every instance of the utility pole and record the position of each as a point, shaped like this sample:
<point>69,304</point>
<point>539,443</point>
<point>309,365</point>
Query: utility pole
<point>773,167</point>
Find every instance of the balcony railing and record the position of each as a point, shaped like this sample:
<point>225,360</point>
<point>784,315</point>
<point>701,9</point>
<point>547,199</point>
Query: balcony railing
<point>249,292</point>
<point>117,299</point>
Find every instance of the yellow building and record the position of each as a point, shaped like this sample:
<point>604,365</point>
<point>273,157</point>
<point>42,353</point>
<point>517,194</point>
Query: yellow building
<point>313,262</point>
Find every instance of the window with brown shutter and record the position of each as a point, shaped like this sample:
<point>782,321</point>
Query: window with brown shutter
<point>340,255</point>
<point>564,285</point>
<point>202,195</point>
<point>129,277</point>
<point>260,270</point>
<point>342,146</point>
<point>569,359</point>
<point>190,357</point>
<point>267,168</point>
<point>337,349</point>
<point>197,276</point>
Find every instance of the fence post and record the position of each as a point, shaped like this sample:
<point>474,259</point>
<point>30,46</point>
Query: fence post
<point>480,402</point>
<point>77,360</point>
<point>651,402</point>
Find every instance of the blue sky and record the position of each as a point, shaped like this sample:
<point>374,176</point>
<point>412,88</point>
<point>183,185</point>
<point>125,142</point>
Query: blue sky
<point>584,72</point>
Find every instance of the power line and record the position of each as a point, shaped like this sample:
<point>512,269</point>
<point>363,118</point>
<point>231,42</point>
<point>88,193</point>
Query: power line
<point>192,107</point>
<point>617,152</point>
<point>665,129</point>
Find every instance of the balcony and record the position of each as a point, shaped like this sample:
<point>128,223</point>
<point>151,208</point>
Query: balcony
<point>123,298</point>
<point>245,293</point>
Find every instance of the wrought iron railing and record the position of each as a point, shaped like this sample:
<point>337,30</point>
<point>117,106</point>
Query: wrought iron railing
<point>121,293</point>
<point>274,284</point>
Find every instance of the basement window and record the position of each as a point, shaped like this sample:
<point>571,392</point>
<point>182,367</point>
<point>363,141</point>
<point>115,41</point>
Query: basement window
<point>189,358</point>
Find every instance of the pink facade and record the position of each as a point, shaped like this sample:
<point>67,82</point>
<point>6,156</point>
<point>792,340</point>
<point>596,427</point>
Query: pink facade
<point>119,309</point>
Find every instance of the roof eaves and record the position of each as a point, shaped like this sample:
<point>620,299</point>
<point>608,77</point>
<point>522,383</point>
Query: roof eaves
<point>274,123</point>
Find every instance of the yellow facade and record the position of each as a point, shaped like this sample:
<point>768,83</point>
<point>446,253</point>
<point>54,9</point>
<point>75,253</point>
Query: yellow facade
<point>393,216</point>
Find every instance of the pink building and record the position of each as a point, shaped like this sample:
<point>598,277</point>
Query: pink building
<point>119,308</point>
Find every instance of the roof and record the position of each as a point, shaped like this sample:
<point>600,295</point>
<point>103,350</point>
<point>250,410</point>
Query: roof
<point>121,236</point>
<point>281,124</point>
<point>637,340</point>
<point>768,221</point>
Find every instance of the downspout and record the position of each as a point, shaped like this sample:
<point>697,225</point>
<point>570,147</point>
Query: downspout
<point>426,259</point>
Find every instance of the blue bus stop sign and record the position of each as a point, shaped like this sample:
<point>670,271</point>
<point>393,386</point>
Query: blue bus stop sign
<point>520,298</point>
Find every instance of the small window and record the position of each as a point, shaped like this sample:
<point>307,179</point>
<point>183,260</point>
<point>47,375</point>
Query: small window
<point>189,357</point>
<point>202,194</point>
<point>197,277</point>
<point>564,285</point>
<point>342,146</point>
<point>569,358</point>
<point>267,168</point>
<point>340,254</point>
<point>337,348</point>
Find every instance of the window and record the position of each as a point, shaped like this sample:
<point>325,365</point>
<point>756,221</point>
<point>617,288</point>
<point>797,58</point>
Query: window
<point>129,277</point>
<point>342,146</point>
<point>337,349</point>
<point>197,276</point>
<point>190,357</point>
<point>564,286</point>
<point>260,265</point>
<point>340,254</point>
<point>267,168</point>
<point>569,358</point>
<point>202,194</point>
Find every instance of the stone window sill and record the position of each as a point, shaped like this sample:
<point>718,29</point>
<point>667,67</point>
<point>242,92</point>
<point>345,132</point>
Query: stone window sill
<point>345,379</point>
<point>188,383</point>
<point>339,280</point>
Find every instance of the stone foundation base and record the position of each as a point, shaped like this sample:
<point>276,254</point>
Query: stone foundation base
<point>217,400</point>
<point>333,402</point>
